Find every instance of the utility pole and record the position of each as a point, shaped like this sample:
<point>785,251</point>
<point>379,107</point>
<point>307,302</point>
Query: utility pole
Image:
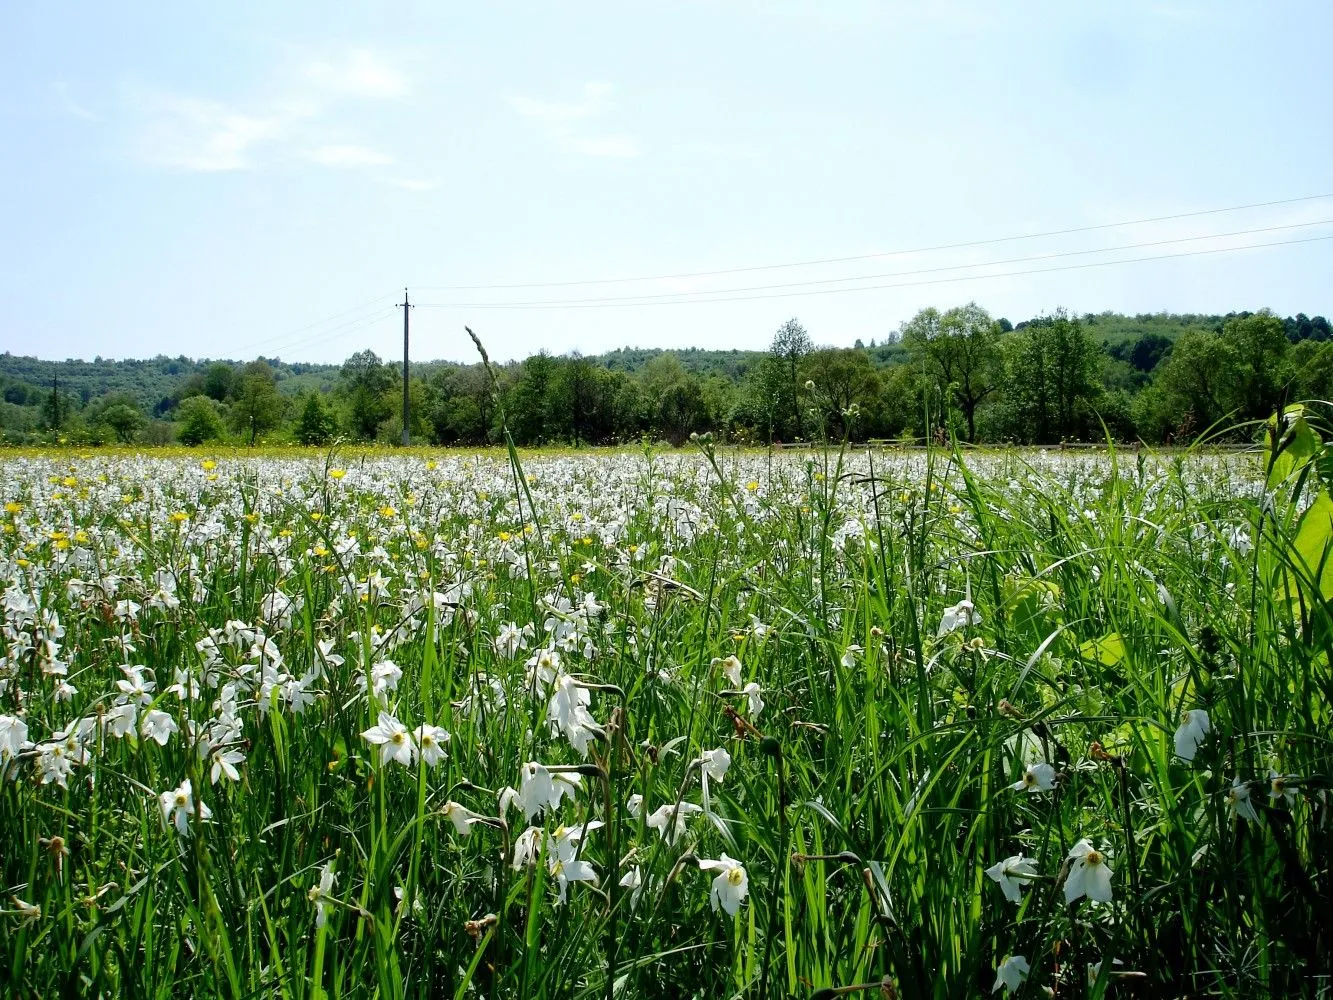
<point>55,399</point>
<point>406,307</point>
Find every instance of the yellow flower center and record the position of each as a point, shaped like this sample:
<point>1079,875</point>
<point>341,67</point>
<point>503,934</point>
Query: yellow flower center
<point>1093,858</point>
<point>735,875</point>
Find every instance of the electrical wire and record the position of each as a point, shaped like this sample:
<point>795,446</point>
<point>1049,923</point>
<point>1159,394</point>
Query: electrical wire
<point>887,253</point>
<point>648,298</point>
<point>613,304</point>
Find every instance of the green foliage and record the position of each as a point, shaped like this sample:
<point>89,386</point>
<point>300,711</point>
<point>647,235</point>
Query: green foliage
<point>316,425</point>
<point>1157,377</point>
<point>200,420</point>
<point>256,407</point>
<point>365,384</point>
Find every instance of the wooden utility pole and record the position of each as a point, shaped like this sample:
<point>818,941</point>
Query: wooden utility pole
<point>406,307</point>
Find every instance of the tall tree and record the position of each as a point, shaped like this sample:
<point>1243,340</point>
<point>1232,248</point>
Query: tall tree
<point>790,346</point>
<point>257,407</point>
<point>366,384</point>
<point>1051,377</point>
<point>957,349</point>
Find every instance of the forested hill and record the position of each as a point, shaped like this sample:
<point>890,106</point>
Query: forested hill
<point>1048,378</point>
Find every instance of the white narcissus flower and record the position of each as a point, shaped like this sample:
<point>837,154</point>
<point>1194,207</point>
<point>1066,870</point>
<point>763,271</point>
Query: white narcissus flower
<point>715,763</point>
<point>1089,874</point>
<point>561,856</point>
<point>224,763</point>
<point>754,699</point>
<point>431,741</point>
<point>1238,800</point>
<point>393,739</point>
<point>158,726</point>
<point>539,789</point>
<point>1279,788</point>
<point>1011,973</point>
<point>731,669</point>
<point>460,816</point>
<point>668,825</point>
<point>959,616</point>
<point>13,737</point>
<point>850,655</point>
<point>178,808</point>
<point>635,805</point>
<point>730,887</point>
<point>119,719</point>
<point>321,893</point>
<point>1194,729</point>
<point>1038,777</point>
<point>633,880</point>
<point>1012,874</point>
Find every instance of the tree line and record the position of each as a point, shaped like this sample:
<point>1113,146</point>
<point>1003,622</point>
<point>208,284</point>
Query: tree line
<point>1058,377</point>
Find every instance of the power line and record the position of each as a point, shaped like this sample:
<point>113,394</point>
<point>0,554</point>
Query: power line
<point>886,253</point>
<point>336,333</point>
<point>271,343</point>
<point>614,304</point>
<point>649,298</point>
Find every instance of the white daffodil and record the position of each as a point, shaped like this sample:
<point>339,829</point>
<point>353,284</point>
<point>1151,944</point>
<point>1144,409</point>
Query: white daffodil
<point>321,893</point>
<point>1238,800</point>
<point>715,763</point>
<point>568,712</point>
<point>431,741</point>
<point>120,719</point>
<point>730,887</point>
<point>1038,777</point>
<point>178,808</point>
<point>713,766</point>
<point>754,699</point>
<point>13,738</point>
<point>158,726</point>
<point>633,880</point>
<point>959,616</point>
<point>634,805</point>
<point>1279,788</point>
<point>850,655</point>
<point>1012,874</point>
<point>669,820</point>
<point>539,789</point>
<point>460,816</point>
<point>1194,729</point>
<point>731,669</point>
<point>1089,874</point>
<point>1011,973</point>
<point>224,763</point>
<point>393,739</point>
<point>561,856</point>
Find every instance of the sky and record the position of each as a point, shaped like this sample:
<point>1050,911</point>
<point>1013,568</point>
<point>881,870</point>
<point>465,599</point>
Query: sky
<point>244,178</point>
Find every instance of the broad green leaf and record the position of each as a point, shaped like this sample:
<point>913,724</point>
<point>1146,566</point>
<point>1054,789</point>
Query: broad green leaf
<point>1291,444</point>
<point>1309,548</point>
<point>1108,650</point>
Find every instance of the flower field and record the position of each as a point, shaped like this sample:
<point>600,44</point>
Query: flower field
<point>688,724</point>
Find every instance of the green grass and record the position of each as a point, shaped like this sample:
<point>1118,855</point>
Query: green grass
<point>865,801</point>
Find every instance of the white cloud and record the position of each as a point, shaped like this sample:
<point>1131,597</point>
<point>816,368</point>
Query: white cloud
<point>360,74</point>
<point>348,156</point>
<point>558,120</point>
<point>194,134</point>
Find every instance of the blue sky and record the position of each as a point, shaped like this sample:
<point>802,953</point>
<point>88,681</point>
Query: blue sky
<point>227,179</point>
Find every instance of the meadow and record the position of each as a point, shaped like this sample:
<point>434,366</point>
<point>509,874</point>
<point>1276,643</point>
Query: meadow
<point>695,723</point>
